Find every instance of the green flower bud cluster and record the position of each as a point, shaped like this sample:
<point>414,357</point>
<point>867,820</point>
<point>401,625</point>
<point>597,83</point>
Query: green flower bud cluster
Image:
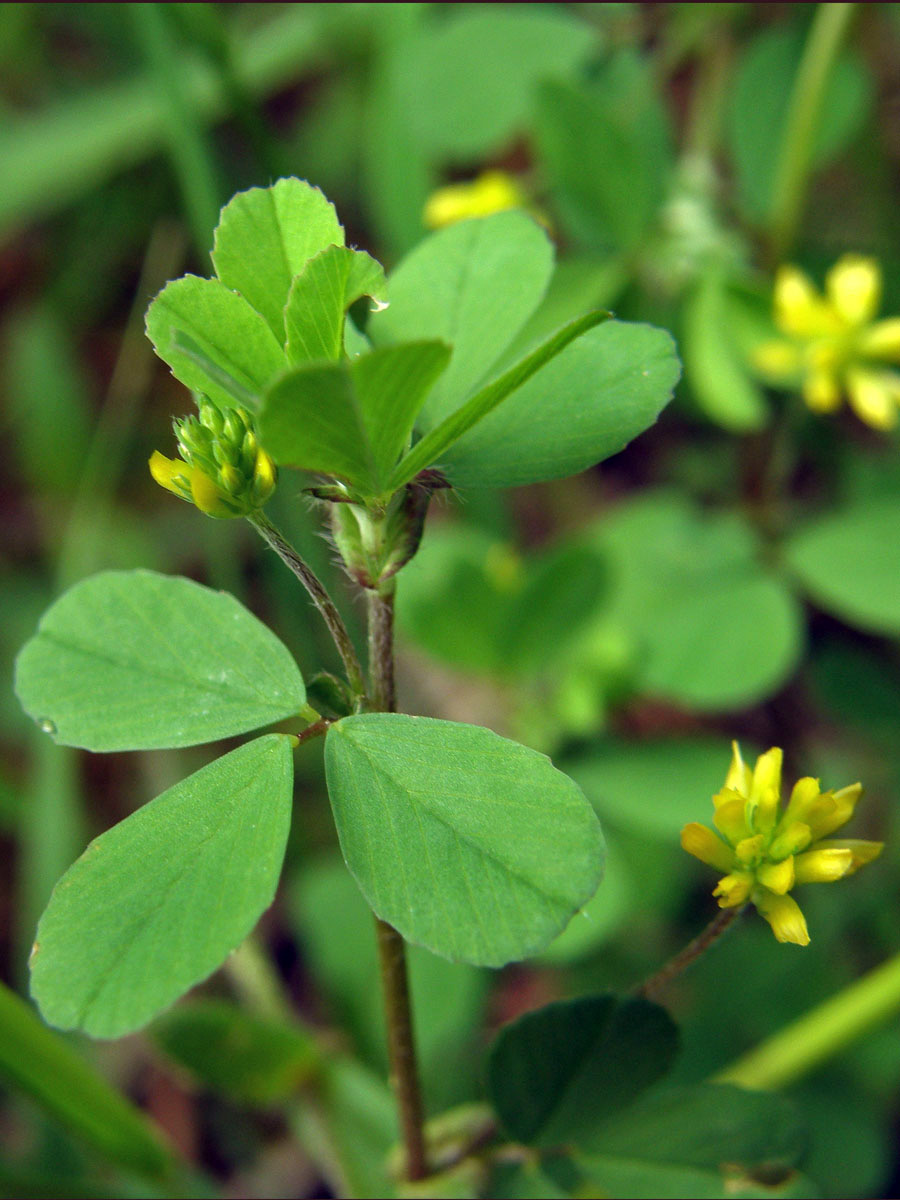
<point>223,470</point>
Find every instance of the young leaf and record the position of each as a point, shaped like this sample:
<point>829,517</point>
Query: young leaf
<point>351,420</point>
<point>252,1059</point>
<point>266,236</point>
<point>158,902</point>
<point>556,1073</point>
<point>436,443</point>
<point>469,844</point>
<point>320,296</point>
<point>705,1140</point>
<point>133,660</point>
<point>45,1067</point>
<point>472,285</point>
<point>587,403</point>
<point>223,326</point>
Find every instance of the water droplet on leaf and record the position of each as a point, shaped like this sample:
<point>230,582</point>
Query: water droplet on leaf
<point>47,725</point>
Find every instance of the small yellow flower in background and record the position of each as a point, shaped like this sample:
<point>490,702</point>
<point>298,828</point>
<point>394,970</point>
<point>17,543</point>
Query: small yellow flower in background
<point>223,470</point>
<point>764,850</point>
<point>833,347</point>
<point>491,192</point>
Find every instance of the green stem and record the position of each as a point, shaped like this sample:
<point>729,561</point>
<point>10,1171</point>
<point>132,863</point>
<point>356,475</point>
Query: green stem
<point>692,951</point>
<point>820,1034</point>
<point>391,947</point>
<point>257,981</point>
<point>319,596</point>
<point>828,29</point>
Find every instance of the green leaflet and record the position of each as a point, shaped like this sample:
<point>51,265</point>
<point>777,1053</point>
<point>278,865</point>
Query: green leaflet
<point>469,844</point>
<point>472,285</point>
<point>133,660</point>
<point>156,903</point>
<point>320,296</point>
<point>224,328</point>
<point>266,236</point>
<point>558,1072</point>
<point>352,420</point>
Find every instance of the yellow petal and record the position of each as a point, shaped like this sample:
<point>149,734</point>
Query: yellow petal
<point>832,810</point>
<point>874,396</point>
<point>793,837</point>
<point>821,390</point>
<point>730,821</point>
<point>172,474</point>
<point>738,777</point>
<point>207,496</point>
<point>799,309</point>
<point>784,915</point>
<point>853,286</point>
<point>777,360</point>
<point>733,890</point>
<point>822,865</point>
<point>491,192</point>
<point>804,794</point>
<point>881,340</point>
<point>777,877</point>
<point>765,790</point>
<point>861,851</point>
<point>749,850</point>
<point>696,839</point>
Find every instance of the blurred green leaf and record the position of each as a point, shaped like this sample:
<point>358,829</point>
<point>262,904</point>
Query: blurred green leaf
<point>266,236</point>
<point>703,1141</point>
<point>715,367</point>
<point>467,122</point>
<point>653,787</point>
<point>759,103</point>
<point>849,563</point>
<point>320,296</point>
<point>715,627</point>
<point>473,285</point>
<point>252,1059</point>
<point>587,403</point>
<point>44,1066</point>
<point>117,945</point>
<point>351,420</point>
<point>224,327</point>
<point>606,150</point>
<point>133,660</point>
<point>48,397</point>
<point>454,855</point>
<point>557,1073</point>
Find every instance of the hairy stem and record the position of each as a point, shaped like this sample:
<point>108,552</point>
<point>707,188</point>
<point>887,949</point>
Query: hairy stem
<point>391,947</point>
<point>692,951</point>
<point>319,596</point>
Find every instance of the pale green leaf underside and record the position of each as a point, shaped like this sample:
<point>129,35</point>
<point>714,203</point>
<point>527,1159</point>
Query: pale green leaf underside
<point>587,403</point>
<point>320,296</point>
<point>223,326</point>
<point>157,903</point>
<point>265,237</point>
<point>351,420</point>
<point>134,660</point>
<point>472,285</point>
<point>469,844</point>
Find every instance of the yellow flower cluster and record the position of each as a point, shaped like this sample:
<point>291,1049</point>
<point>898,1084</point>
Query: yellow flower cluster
<point>764,851</point>
<point>832,346</point>
<point>222,469</point>
<point>491,192</point>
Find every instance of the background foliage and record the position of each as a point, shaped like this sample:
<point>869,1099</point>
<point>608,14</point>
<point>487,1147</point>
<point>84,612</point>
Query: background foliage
<point>732,573</point>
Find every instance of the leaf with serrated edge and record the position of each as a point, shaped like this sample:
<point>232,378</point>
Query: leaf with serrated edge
<point>467,843</point>
<point>134,660</point>
<point>265,237</point>
<point>158,902</point>
<point>220,324</point>
<point>320,296</point>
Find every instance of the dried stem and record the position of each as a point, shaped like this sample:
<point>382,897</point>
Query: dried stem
<point>692,951</point>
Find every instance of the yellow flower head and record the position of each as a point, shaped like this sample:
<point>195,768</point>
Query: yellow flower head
<point>223,470</point>
<point>765,849</point>
<point>833,346</point>
<point>491,192</point>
